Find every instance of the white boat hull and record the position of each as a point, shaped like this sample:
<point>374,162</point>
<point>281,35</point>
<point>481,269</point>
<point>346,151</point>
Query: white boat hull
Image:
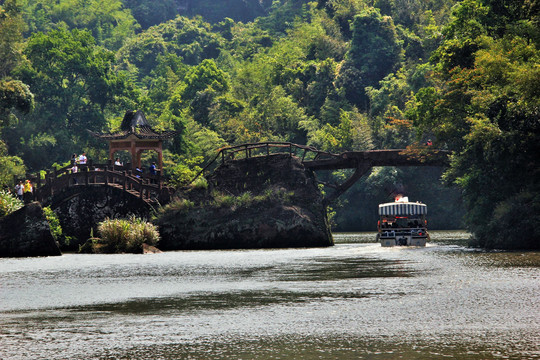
<point>403,241</point>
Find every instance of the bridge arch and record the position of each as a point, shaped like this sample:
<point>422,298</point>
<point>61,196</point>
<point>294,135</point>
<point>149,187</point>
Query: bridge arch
<point>81,208</point>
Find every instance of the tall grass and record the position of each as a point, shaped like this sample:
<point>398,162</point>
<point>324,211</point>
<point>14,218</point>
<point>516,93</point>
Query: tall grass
<point>125,235</point>
<point>247,199</point>
<point>178,204</point>
<point>9,203</point>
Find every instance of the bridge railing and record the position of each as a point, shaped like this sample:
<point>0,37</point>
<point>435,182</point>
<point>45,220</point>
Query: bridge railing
<point>270,148</point>
<point>147,187</point>
<point>249,150</point>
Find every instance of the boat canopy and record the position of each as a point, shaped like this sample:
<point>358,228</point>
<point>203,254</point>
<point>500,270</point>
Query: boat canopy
<point>402,208</point>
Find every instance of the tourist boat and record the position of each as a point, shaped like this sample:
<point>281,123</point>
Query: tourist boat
<point>402,223</point>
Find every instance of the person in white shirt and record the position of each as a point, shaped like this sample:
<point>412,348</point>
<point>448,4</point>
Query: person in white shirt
<point>74,170</point>
<point>20,189</point>
<point>82,158</point>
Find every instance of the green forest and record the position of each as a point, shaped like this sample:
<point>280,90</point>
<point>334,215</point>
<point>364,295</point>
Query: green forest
<point>339,75</point>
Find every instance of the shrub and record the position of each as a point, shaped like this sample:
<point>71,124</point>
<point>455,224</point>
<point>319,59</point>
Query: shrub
<point>9,203</point>
<point>181,171</point>
<point>125,235</point>
<point>200,183</point>
<point>513,224</point>
<point>56,229</point>
<point>245,199</point>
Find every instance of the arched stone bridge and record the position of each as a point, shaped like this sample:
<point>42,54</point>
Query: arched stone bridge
<point>63,183</point>
<point>96,192</point>
<point>360,161</point>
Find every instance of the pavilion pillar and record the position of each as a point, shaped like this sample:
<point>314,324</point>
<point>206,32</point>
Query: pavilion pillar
<point>111,152</point>
<point>139,154</point>
<point>160,159</point>
<point>135,161</point>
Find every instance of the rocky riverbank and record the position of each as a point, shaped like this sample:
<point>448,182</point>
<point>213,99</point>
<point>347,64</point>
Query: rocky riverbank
<point>265,202</point>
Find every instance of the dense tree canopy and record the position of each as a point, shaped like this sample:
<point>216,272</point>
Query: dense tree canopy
<point>486,109</point>
<point>107,20</point>
<point>74,86</point>
<point>15,96</point>
<point>372,31</point>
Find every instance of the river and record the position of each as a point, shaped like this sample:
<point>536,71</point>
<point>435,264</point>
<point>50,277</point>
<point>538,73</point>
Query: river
<point>355,300</point>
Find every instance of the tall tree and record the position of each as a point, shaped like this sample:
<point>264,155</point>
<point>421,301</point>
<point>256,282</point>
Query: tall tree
<point>107,20</point>
<point>375,51</point>
<point>74,84</point>
<point>15,96</point>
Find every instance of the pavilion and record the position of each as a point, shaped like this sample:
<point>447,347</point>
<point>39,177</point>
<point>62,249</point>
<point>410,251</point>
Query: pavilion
<point>135,135</point>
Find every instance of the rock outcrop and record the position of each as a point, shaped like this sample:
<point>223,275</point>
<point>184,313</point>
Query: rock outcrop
<point>81,209</point>
<point>261,202</point>
<point>26,232</point>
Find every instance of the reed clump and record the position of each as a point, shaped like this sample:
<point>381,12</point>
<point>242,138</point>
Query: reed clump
<point>124,236</point>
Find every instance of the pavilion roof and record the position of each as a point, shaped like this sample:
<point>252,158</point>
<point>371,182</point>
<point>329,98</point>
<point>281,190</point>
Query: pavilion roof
<point>134,123</point>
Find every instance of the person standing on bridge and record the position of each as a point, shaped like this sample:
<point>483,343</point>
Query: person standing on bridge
<point>152,168</point>
<point>82,158</point>
<point>74,170</point>
<point>19,189</point>
<point>28,192</point>
<point>153,172</point>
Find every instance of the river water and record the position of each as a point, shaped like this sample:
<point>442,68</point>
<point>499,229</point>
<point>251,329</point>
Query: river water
<point>355,300</point>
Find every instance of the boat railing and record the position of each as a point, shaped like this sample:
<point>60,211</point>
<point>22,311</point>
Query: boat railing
<point>392,232</point>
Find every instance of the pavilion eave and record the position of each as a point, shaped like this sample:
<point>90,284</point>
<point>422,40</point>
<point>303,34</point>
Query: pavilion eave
<point>123,135</point>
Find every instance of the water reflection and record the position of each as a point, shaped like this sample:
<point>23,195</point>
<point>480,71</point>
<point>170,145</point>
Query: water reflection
<point>346,268</point>
<point>320,347</point>
<point>354,300</point>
